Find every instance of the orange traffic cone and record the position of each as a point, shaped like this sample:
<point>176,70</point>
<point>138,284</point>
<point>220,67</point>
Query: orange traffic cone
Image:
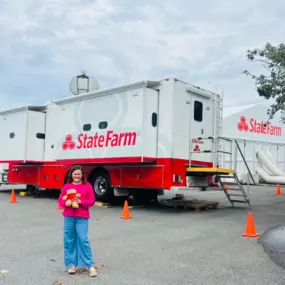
<point>126,213</point>
<point>13,198</point>
<point>250,227</point>
<point>58,207</point>
<point>278,190</point>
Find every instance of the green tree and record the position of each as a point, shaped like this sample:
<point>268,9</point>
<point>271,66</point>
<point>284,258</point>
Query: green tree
<point>272,84</point>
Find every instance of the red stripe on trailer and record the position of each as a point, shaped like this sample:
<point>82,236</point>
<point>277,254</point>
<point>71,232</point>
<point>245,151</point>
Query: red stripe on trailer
<point>123,171</point>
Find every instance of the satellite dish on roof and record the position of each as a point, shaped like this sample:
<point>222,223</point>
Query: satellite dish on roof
<point>83,84</point>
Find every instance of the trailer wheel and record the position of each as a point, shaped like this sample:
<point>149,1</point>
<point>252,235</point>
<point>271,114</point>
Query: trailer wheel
<point>102,187</point>
<point>4,177</point>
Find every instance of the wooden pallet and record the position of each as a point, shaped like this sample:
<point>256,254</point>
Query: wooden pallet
<point>102,205</point>
<point>196,205</point>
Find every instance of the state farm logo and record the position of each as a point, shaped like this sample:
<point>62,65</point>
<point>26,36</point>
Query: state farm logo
<point>196,148</point>
<point>257,127</point>
<point>68,143</point>
<point>110,139</point>
<point>242,125</point>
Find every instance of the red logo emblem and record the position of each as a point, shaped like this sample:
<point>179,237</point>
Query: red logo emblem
<point>69,143</point>
<point>196,148</point>
<point>243,125</point>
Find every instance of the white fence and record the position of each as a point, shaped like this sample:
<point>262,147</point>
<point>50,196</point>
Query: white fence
<point>249,149</point>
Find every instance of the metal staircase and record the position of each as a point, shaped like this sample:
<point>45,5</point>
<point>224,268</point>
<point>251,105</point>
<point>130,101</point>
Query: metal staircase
<point>233,189</point>
<point>226,177</point>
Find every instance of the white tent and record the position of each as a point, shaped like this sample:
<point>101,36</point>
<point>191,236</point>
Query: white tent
<point>247,125</point>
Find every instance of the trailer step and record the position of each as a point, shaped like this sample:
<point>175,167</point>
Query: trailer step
<point>227,190</point>
<point>233,189</point>
<point>236,195</point>
<point>225,176</point>
<point>239,201</point>
<point>191,171</point>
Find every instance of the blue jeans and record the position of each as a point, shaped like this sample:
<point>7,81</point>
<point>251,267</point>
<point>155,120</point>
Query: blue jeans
<point>77,249</point>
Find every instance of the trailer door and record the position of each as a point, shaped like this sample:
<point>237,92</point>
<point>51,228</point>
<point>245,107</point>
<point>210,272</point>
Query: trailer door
<point>150,124</point>
<point>201,127</point>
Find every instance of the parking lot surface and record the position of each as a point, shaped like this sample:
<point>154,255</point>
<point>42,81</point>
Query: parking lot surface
<point>158,246</point>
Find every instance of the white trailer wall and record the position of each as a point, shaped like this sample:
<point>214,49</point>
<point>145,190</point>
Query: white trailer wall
<point>253,138</point>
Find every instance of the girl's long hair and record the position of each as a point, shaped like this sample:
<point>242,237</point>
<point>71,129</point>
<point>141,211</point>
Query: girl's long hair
<point>69,178</point>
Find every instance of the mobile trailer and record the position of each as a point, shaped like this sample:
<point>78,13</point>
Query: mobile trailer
<point>137,138</point>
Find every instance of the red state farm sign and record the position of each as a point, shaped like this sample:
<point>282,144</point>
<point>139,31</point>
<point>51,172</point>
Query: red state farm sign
<point>258,127</point>
<point>110,139</point>
<point>196,148</point>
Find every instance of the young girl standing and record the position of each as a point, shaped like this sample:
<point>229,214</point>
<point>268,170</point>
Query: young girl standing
<point>77,249</point>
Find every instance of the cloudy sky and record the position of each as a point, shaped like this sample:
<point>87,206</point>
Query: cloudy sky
<point>45,43</point>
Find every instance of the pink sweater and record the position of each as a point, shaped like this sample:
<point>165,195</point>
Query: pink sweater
<point>87,200</point>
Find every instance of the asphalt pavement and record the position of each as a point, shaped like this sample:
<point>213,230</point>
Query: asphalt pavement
<point>158,246</point>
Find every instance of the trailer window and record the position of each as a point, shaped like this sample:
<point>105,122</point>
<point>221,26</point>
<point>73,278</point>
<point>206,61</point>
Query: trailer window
<point>154,119</point>
<point>40,136</point>
<point>87,127</point>
<point>198,111</point>
<point>11,135</point>
<point>103,125</point>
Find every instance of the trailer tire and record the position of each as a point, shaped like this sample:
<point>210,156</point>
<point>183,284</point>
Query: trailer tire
<point>4,177</point>
<point>100,182</point>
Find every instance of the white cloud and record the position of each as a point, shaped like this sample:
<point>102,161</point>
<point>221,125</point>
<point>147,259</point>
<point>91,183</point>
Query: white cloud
<point>45,43</point>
